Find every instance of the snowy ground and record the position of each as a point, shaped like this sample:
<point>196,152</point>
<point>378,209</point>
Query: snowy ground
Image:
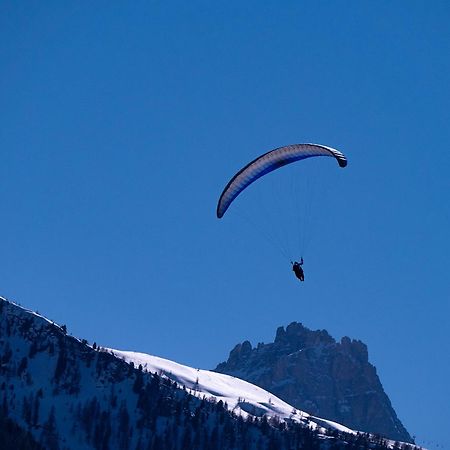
<point>241,397</point>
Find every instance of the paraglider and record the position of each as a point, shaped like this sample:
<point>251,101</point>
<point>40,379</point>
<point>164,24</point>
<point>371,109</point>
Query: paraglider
<point>298,269</point>
<point>267,163</point>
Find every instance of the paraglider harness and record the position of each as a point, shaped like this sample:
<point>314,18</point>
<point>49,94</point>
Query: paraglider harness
<point>298,270</point>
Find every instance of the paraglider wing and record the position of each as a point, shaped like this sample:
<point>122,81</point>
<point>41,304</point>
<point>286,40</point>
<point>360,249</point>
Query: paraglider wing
<point>267,163</point>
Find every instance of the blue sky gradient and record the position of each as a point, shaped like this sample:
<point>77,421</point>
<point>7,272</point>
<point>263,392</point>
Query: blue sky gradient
<point>122,122</point>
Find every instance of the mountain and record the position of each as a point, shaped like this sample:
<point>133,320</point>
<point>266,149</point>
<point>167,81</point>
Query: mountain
<point>58,392</point>
<point>313,372</point>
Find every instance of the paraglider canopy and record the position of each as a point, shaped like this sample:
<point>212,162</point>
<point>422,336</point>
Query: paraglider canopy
<point>269,162</point>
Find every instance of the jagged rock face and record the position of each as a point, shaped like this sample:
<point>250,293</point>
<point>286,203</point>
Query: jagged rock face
<point>313,372</point>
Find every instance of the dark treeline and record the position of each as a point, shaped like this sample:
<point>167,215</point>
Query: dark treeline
<point>13,437</point>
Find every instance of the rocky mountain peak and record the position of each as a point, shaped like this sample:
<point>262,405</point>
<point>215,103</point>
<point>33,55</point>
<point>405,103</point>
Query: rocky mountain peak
<point>356,348</point>
<point>297,336</point>
<point>312,371</point>
<point>241,351</point>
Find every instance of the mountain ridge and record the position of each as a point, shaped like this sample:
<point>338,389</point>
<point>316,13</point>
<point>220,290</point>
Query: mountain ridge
<point>312,371</point>
<point>71,395</point>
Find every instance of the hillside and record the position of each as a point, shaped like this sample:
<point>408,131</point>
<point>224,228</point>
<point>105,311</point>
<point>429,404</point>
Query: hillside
<point>63,393</point>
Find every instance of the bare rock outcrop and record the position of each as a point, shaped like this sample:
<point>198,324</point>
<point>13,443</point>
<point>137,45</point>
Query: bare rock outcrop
<point>313,372</point>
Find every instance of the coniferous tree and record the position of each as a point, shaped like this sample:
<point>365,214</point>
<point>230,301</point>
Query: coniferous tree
<point>124,423</point>
<point>49,437</point>
<point>36,405</point>
<point>22,366</point>
<point>33,349</point>
<point>26,410</point>
<point>186,443</point>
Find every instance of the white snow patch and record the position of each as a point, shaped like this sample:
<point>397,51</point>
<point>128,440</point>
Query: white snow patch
<point>241,397</point>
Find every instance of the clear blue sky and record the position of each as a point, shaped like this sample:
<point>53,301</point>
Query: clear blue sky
<point>121,123</point>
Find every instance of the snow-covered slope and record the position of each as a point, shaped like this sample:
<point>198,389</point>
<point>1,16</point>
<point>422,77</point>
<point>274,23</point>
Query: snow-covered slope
<point>74,396</point>
<point>240,396</point>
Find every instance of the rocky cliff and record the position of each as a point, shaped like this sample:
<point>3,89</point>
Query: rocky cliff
<point>313,372</point>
